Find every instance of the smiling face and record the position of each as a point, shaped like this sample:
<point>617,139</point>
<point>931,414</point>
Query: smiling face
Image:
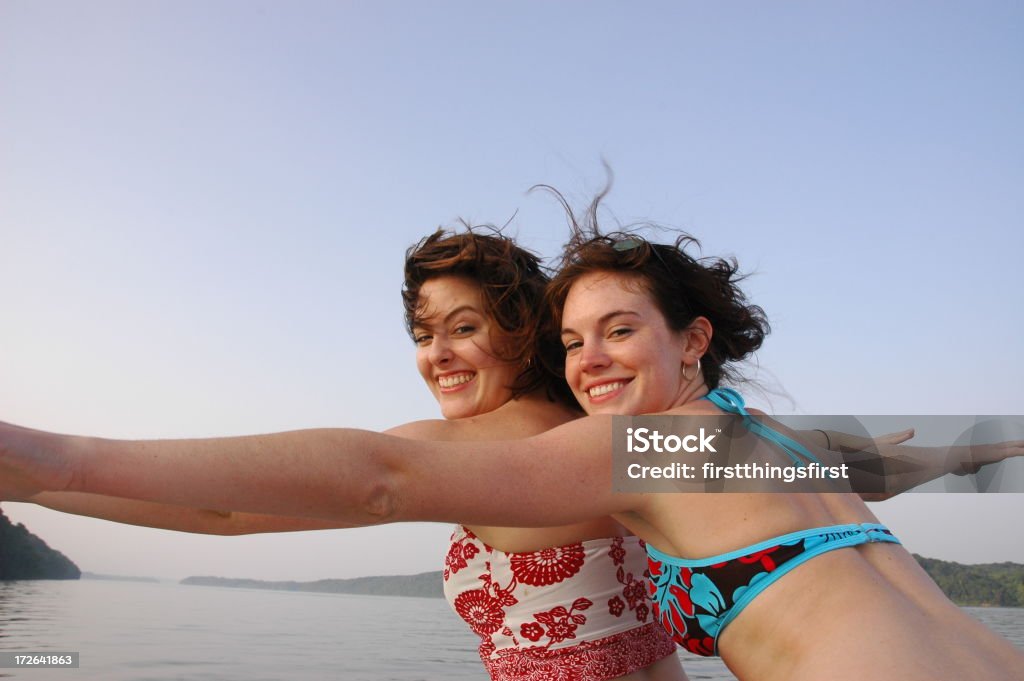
<point>621,357</point>
<point>455,351</point>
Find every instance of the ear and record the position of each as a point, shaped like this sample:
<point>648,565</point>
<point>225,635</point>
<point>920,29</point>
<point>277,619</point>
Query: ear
<point>697,339</point>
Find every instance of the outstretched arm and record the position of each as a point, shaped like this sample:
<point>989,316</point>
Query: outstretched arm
<point>903,467</point>
<point>883,468</point>
<point>171,517</point>
<point>342,476</point>
<point>194,520</point>
<point>837,441</point>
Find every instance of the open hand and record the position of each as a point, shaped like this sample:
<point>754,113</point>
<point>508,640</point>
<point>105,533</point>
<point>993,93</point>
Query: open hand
<point>981,455</point>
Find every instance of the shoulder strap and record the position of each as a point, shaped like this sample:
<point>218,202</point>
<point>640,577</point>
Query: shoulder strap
<point>731,402</point>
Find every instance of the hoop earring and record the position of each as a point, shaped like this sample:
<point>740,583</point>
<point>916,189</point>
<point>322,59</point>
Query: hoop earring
<point>695,373</point>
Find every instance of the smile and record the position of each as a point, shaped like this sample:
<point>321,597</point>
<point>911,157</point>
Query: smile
<point>605,389</point>
<point>455,380</point>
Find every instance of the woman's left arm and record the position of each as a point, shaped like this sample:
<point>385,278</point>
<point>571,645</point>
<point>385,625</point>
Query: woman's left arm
<point>884,468</point>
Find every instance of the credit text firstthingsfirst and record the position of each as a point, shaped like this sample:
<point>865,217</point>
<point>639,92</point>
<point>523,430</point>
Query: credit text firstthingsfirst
<point>643,440</point>
<point>743,471</point>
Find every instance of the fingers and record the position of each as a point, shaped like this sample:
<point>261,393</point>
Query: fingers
<point>1010,449</point>
<point>895,438</point>
<point>985,454</point>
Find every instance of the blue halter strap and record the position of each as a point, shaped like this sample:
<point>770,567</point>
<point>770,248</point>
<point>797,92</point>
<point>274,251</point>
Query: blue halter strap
<point>731,402</point>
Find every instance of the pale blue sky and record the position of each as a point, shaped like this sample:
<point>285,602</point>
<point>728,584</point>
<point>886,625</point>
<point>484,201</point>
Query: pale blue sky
<point>204,208</point>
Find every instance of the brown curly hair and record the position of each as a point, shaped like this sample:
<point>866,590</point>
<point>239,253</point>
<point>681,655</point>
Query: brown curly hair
<point>681,286</point>
<point>512,283</point>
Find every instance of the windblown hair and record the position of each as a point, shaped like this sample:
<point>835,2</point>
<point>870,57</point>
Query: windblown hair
<point>681,286</point>
<point>512,283</point>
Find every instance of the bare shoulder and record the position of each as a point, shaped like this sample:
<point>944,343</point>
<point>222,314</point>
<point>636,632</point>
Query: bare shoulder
<point>559,477</point>
<point>428,429</point>
<point>581,429</point>
<point>517,419</point>
<point>693,408</point>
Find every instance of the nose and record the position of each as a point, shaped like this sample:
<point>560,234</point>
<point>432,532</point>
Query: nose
<point>593,358</point>
<point>440,352</point>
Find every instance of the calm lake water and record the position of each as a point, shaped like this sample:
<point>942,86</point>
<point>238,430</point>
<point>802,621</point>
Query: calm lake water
<point>128,631</point>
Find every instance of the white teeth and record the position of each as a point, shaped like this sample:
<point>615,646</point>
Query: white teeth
<point>452,381</point>
<point>605,388</point>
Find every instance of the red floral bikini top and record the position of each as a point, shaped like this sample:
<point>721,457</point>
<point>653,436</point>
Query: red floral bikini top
<point>580,609</point>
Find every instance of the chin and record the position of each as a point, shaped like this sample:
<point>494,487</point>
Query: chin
<point>453,412</point>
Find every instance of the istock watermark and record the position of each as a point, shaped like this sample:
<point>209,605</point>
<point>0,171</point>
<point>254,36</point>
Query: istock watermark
<point>644,439</point>
<point>864,454</point>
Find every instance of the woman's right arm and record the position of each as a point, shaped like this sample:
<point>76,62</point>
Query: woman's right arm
<point>171,517</point>
<point>193,520</point>
<point>344,476</point>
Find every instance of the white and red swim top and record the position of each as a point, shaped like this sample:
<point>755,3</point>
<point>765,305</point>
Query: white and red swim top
<point>579,611</point>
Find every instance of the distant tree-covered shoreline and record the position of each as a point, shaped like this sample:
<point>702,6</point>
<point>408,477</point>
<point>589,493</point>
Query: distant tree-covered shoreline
<point>423,585</point>
<point>25,556</point>
<point>994,584</point>
<point>989,584</point>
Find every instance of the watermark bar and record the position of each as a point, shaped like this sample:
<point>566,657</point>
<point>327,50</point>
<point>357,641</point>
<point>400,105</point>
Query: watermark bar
<point>725,453</point>
<point>32,659</point>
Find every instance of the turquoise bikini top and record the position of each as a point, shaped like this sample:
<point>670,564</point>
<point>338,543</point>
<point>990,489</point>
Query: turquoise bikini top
<point>731,402</point>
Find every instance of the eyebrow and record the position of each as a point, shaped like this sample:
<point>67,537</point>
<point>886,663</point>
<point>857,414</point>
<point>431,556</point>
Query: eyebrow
<point>604,319</point>
<point>422,321</point>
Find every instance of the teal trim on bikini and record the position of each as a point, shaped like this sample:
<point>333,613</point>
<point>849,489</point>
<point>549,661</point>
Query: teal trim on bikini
<point>731,402</point>
<point>870,534</point>
<point>791,538</point>
<point>856,535</point>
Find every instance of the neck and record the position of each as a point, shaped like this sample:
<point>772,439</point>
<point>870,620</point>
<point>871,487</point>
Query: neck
<point>692,391</point>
